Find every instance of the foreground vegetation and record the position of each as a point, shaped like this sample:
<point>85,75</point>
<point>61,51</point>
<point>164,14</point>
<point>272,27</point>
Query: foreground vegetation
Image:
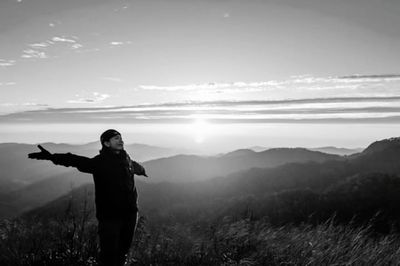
<point>353,223</point>
<point>229,241</point>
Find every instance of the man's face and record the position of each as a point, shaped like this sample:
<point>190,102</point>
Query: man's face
<point>115,143</point>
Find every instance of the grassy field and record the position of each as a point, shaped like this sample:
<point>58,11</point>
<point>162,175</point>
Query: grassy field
<point>72,241</point>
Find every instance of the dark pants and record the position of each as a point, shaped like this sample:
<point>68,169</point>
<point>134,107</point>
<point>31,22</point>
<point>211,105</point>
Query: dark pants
<point>115,240</point>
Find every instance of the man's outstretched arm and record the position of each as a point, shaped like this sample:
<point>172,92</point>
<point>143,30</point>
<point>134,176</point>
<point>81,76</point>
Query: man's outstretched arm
<point>138,169</point>
<point>82,163</point>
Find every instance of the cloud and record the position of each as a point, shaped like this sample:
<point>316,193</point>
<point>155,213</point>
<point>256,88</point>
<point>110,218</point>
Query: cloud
<point>308,110</point>
<point>40,50</point>
<point>40,45</point>
<point>7,63</point>
<point>34,104</point>
<point>382,76</point>
<point>91,50</point>
<point>304,86</point>
<point>95,98</point>
<point>53,24</point>
<point>64,39</point>
<point>308,79</point>
<point>121,9</point>
<point>25,104</point>
<point>30,53</point>
<point>113,79</point>
<point>9,83</point>
<point>118,43</point>
<point>76,46</point>
<point>238,85</point>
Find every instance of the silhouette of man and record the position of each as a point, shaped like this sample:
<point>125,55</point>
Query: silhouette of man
<point>115,193</point>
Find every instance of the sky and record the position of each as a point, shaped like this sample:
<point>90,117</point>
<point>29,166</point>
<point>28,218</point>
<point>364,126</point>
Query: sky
<point>209,74</point>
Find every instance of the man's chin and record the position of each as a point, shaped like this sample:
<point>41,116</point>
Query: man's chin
<point>118,148</point>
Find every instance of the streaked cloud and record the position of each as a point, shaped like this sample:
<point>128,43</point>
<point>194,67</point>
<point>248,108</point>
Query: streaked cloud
<point>96,97</point>
<point>312,110</point>
<point>113,79</point>
<point>305,86</point>
<point>119,43</point>
<point>64,39</point>
<point>213,86</point>
<point>76,46</point>
<point>7,63</point>
<point>24,104</point>
<point>40,45</point>
<point>54,23</point>
<point>91,50</point>
<point>8,83</point>
<point>30,53</point>
<point>305,82</point>
<point>41,50</point>
<point>383,76</point>
<point>121,9</point>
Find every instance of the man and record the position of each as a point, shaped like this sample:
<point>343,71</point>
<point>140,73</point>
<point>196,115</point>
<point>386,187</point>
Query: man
<point>115,193</point>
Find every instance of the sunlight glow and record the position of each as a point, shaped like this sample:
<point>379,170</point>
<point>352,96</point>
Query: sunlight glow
<point>201,129</point>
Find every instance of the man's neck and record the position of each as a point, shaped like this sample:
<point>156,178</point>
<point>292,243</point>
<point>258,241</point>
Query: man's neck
<point>111,151</point>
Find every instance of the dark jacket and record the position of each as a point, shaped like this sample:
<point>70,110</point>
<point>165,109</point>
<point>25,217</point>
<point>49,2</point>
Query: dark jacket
<point>113,174</point>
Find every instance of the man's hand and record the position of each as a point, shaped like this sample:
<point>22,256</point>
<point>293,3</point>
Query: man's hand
<point>42,155</point>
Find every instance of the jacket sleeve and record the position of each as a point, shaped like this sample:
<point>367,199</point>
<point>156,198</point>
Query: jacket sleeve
<point>83,164</point>
<point>138,169</point>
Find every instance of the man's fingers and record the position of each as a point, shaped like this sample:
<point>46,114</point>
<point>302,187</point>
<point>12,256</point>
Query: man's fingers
<point>41,148</point>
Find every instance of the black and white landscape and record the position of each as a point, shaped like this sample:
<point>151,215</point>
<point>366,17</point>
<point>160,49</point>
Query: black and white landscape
<point>244,205</point>
<point>269,129</point>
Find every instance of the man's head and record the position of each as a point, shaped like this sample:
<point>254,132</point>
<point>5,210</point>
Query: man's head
<point>112,139</point>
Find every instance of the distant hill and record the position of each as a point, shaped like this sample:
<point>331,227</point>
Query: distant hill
<point>26,183</point>
<point>338,151</point>
<point>21,171</point>
<point>380,156</point>
<point>318,175</point>
<point>180,168</point>
<point>18,171</point>
<point>241,152</point>
<point>327,149</point>
<point>41,192</point>
<point>316,186</point>
<point>383,145</point>
<point>188,168</point>
<point>258,148</point>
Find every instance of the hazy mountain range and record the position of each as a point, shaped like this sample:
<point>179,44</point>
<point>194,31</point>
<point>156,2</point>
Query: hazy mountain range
<point>26,184</point>
<point>327,149</point>
<point>184,168</point>
<point>18,171</point>
<point>297,189</point>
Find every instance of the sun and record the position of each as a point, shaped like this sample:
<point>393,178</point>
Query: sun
<point>201,129</point>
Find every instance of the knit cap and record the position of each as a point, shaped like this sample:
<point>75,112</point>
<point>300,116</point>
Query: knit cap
<point>107,135</point>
